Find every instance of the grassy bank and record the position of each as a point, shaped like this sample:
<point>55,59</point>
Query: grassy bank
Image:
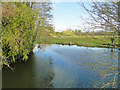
<point>88,41</point>
<point>0,56</point>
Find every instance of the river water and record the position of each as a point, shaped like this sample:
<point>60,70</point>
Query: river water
<point>63,66</point>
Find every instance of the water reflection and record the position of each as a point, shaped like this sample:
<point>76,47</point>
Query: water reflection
<point>36,72</point>
<point>58,66</point>
<point>105,62</point>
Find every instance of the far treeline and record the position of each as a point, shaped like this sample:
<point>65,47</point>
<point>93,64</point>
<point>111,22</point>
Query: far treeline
<point>26,23</point>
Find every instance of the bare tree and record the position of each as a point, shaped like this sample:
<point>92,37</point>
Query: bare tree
<point>104,15</point>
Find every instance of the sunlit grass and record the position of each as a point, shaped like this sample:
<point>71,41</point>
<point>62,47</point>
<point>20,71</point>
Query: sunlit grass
<point>89,41</point>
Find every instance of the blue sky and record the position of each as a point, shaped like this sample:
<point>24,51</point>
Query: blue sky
<point>67,15</point>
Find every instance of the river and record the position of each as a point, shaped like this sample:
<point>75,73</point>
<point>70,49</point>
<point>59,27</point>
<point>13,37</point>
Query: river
<point>64,66</point>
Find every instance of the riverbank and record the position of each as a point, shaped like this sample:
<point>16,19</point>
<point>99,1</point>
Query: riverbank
<point>87,41</point>
<point>0,56</point>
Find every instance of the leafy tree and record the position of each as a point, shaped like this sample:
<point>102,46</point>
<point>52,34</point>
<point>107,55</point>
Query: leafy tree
<point>22,23</point>
<point>44,22</point>
<point>77,32</point>
<point>67,32</point>
<point>18,31</point>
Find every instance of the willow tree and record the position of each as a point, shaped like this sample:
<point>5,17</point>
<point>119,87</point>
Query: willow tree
<point>18,31</point>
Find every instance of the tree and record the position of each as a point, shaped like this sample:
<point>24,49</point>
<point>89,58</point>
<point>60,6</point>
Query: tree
<point>22,23</point>
<point>119,22</point>
<point>67,32</point>
<point>77,32</point>
<point>106,15</point>
<point>18,31</point>
<point>103,15</point>
<point>44,22</point>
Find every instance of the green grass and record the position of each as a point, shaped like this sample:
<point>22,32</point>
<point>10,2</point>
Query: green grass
<point>88,41</point>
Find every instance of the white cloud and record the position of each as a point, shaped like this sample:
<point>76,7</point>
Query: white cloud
<point>60,28</point>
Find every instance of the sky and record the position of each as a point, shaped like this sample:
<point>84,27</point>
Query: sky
<point>67,15</point>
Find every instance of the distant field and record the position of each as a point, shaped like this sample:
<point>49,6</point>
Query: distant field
<point>89,41</point>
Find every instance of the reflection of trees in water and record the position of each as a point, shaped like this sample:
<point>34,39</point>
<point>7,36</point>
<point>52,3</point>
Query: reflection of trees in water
<point>106,64</point>
<point>43,73</point>
<point>35,73</point>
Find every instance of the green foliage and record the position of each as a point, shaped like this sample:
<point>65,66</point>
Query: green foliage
<point>18,33</point>
<point>44,22</point>
<point>77,32</point>
<point>67,32</point>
